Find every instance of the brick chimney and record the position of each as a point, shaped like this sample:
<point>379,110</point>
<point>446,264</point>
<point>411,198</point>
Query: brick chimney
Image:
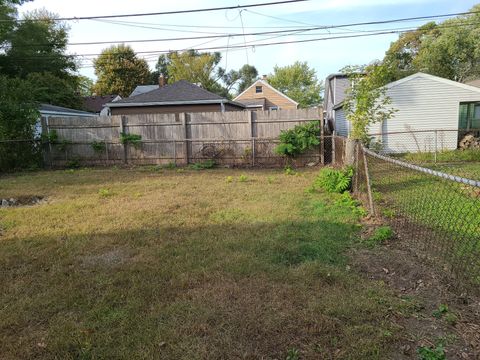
<point>264,77</point>
<point>161,80</point>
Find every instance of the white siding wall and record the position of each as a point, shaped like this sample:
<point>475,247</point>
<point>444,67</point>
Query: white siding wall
<point>423,103</point>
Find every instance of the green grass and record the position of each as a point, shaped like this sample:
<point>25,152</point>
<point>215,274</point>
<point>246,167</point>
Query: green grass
<point>124,264</point>
<point>447,212</point>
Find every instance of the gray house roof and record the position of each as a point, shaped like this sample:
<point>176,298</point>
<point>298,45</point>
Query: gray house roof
<point>52,110</point>
<point>141,89</point>
<point>180,93</point>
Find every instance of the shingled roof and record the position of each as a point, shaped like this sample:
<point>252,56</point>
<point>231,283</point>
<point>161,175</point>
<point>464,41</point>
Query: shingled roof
<point>96,103</point>
<point>181,92</point>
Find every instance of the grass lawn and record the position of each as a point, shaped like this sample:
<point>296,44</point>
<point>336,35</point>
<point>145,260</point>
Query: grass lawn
<point>127,264</point>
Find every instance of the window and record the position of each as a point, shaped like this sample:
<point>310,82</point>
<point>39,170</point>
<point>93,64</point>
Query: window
<point>258,89</point>
<point>469,116</point>
<point>273,108</point>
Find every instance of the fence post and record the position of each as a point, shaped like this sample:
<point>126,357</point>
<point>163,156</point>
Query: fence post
<point>252,134</point>
<point>175,153</point>
<point>47,148</point>
<point>125,145</point>
<point>435,155</point>
<point>185,137</point>
<point>322,137</point>
<point>106,149</point>
<point>369,188</point>
<point>333,147</point>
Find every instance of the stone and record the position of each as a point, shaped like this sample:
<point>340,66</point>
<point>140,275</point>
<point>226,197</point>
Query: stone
<point>310,164</point>
<point>5,203</point>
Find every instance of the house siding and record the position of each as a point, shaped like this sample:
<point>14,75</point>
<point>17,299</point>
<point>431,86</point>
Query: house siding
<point>422,103</point>
<point>272,98</point>
<point>341,123</point>
<point>171,109</point>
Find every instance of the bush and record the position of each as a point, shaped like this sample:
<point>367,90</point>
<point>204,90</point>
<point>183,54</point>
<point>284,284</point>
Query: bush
<point>133,139</point>
<point>208,164</point>
<point>298,140</point>
<point>334,181</point>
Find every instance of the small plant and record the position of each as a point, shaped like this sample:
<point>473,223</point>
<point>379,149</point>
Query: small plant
<point>133,139</point>
<point>247,154</point>
<point>296,141</point>
<point>270,179</point>
<point>293,354</point>
<point>72,164</point>
<point>208,164</point>
<point>388,213</point>
<point>243,178</point>
<point>171,165</point>
<point>334,181</point>
<point>380,235</point>
<point>98,146</point>
<point>229,179</point>
<point>51,137</point>
<point>180,170</point>
<point>432,353</point>
<point>62,145</point>
<point>288,170</point>
<point>440,311</point>
<point>105,192</point>
<point>347,200</point>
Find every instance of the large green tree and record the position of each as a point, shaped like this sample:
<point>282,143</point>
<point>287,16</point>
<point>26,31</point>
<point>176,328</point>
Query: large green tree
<point>450,49</point>
<point>35,49</point>
<point>18,115</point>
<point>299,82</point>
<point>119,71</point>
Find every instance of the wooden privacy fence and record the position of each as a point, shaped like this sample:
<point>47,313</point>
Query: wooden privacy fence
<point>230,138</point>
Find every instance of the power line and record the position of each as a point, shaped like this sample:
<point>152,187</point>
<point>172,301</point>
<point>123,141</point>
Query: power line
<point>94,17</point>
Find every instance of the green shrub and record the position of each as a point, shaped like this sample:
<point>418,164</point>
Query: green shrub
<point>288,170</point>
<point>208,164</point>
<point>98,146</point>
<point>133,139</point>
<point>335,181</point>
<point>348,201</point>
<point>298,140</point>
<point>73,164</point>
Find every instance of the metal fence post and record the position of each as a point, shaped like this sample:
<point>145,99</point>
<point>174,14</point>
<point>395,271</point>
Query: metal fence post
<point>106,149</point>
<point>435,154</point>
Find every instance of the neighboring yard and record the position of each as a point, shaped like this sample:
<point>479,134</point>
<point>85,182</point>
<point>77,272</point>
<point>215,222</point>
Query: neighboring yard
<point>213,264</point>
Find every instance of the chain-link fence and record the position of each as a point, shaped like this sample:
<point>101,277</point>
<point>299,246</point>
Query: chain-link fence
<point>436,211</point>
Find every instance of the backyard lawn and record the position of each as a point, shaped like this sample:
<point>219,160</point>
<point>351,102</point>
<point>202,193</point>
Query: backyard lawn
<point>212,264</point>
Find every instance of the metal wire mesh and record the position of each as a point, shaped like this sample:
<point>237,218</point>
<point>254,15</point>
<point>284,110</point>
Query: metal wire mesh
<point>437,213</point>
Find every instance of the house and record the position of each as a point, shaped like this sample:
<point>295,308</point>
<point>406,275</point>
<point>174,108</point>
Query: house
<point>178,97</point>
<point>263,96</point>
<point>47,111</point>
<point>97,104</point>
<point>336,86</point>
<point>423,102</point>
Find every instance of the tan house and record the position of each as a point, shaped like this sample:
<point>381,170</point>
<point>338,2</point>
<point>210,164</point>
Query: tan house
<point>263,96</point>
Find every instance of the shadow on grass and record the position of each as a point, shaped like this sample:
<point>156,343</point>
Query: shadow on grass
<point>211,292</point>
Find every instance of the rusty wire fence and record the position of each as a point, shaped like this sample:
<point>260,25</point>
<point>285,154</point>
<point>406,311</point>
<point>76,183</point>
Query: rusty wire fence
<point>437,212</point>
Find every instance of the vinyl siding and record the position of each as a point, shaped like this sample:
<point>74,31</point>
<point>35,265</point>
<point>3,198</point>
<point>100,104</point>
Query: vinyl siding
<point>272,98</point>
<point>423,103</point>
<point>341,123</point>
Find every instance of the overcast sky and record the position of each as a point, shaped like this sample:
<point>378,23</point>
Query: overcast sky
<point>325,57</point>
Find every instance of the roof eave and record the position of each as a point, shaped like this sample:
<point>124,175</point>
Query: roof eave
<point>167,103</point>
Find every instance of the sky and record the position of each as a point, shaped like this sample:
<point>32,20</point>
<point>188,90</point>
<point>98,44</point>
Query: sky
<point>325,56</point>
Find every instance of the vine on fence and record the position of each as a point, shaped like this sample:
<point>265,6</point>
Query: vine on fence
<point>98,146</point>
<point>133,139</point>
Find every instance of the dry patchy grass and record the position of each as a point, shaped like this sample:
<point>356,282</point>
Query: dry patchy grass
<point>125,264</point>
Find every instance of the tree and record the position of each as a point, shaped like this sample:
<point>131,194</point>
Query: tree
<point>450,49</point>
<point>119,71</point>
<point>242,78</point>
<point>298,82</point>
<point>367,102</point>
<point>197,68</point>
<point>35,50</point>
<point>18,115</point>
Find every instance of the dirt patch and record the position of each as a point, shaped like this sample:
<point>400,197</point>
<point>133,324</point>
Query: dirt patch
<point>111,258</point>
<point>22,201</point>
<point>439,313</point>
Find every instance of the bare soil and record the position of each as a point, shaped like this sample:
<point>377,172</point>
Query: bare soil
<point>406,272</point>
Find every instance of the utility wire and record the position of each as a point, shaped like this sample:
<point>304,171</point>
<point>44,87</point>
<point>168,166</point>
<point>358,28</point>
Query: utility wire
<point>75,18</point>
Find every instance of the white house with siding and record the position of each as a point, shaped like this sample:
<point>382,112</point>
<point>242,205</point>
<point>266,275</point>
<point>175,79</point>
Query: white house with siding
<point>423,102</point>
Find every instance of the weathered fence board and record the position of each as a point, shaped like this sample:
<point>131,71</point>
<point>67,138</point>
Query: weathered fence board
<point>234,138</point>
